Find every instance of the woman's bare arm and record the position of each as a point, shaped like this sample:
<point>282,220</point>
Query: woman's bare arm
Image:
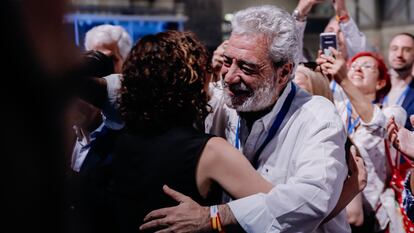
<point>222,163</point>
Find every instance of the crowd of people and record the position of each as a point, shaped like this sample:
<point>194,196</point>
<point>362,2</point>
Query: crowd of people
<point>161,136</point>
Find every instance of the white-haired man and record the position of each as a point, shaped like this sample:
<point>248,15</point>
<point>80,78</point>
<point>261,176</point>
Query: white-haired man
<point>296,141</point>
<point>111,40</point>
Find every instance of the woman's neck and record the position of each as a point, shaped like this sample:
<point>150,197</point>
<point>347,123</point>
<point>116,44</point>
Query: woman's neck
<point>371,96</point>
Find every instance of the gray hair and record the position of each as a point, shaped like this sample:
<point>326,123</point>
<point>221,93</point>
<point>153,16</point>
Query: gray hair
<point>108,34</point>
<point>277,24</point>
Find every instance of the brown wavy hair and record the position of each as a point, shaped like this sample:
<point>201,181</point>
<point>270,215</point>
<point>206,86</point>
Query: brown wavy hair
<point>163,82</point>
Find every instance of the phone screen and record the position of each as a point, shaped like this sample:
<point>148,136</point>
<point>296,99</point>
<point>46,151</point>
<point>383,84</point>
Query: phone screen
<point>327,40</point>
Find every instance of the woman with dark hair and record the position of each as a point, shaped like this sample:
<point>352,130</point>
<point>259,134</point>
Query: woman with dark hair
<point>164,104</point>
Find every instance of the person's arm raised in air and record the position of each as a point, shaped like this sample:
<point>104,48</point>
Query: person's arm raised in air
<point>300,13</point>
<point>355,40</point>
<point>335,66</point>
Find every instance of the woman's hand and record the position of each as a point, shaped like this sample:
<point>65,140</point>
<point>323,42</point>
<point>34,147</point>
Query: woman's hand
<point>333,66</point>
<point>401,138</point>
<point>358,172</point>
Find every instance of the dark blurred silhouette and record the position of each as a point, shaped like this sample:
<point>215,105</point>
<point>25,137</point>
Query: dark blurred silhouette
<point>38,69</point>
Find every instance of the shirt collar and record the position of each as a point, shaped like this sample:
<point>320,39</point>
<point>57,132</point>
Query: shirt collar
<point>101,129</point>
<point>83,140</point>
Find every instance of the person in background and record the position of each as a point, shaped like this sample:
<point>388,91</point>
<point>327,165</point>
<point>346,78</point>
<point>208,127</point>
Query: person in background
<point>401,60</point>
<point>107,47</point>
<point>365,82</point>
<point>350,39</point>
<point>403,140</point>
<point>113,41</point>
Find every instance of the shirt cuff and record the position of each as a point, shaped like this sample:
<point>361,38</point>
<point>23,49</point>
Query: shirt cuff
<point>112,118</point>
<point>252,214</point>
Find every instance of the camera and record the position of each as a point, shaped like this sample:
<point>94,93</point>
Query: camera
<point>328,39</point>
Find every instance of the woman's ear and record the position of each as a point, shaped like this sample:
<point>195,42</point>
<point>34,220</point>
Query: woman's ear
<point>381,84</point>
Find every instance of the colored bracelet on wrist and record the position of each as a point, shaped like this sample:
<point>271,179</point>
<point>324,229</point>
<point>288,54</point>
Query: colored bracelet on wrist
<point>343,18</point>
<point>215,219</point>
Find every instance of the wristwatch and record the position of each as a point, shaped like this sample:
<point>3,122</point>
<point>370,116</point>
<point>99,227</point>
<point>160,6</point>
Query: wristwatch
<point>296,15</point>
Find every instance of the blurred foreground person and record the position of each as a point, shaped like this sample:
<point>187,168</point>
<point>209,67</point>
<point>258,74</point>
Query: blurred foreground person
<point>39,58</point>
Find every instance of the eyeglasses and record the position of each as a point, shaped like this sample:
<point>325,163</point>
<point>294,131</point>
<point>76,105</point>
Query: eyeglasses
<point>311,65</point>
<point>363,66</point>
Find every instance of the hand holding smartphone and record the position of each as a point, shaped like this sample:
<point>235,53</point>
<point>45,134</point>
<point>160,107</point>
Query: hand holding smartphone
<point>328,39</point>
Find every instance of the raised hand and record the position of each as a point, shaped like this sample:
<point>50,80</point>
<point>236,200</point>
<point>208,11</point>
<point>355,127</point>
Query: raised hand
<point>401,138</point>
<point>218,58</point>
<point>340,7</point>
<point>333,66</point>
<point>305,6</point>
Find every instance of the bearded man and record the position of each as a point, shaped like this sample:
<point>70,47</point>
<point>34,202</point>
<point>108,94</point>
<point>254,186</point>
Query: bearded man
<point>401,60</point>
<point>293,139</point>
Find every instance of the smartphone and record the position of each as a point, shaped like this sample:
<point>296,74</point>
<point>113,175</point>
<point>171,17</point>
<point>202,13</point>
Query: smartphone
<point>328,39</point>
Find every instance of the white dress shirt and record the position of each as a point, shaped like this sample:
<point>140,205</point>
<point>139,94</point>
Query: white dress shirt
<point>305,161</point>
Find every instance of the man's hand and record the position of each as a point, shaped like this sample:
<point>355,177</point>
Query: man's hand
<point>340,7</point>
<point>305,6</point>
<point>188,216</point>
<point>401,138</point>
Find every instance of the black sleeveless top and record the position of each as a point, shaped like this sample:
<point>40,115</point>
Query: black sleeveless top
<point>144,163</point>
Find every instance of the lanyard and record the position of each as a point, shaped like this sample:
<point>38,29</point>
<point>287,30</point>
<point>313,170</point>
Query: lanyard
<point>351,125</point>
<point>333,89</point>
<point>237,141</point>
<point>400,99</point>
<point>276,124</point>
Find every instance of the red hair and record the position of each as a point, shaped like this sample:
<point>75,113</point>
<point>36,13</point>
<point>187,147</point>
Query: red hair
<point>383,73</point>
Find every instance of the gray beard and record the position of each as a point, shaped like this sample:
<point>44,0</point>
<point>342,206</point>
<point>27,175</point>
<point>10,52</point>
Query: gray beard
<point>263,97</point>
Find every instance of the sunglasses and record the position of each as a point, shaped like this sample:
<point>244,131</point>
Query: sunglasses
<point>311,65</point>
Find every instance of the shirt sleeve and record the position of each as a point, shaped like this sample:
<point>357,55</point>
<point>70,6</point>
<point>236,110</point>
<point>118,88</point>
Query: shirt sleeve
<point>372,133</point>
<point>408,201</point>
<point>300,26</point>
<point>309,194</point>
<point>110,111</point>
<point>355,40</point>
